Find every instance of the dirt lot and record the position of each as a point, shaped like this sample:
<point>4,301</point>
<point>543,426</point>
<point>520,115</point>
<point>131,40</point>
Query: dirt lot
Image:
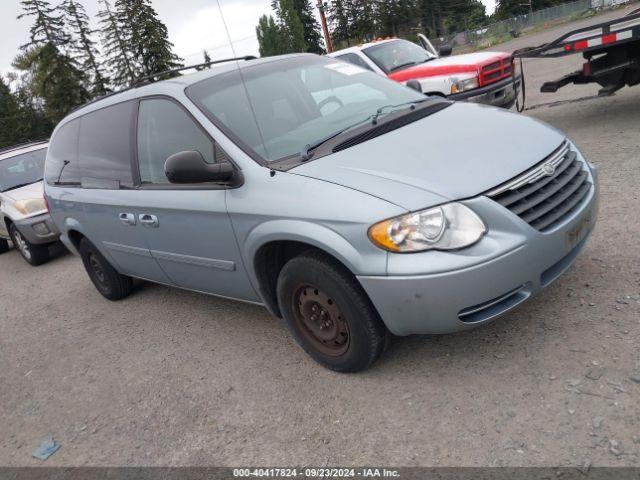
<point>169,377</point>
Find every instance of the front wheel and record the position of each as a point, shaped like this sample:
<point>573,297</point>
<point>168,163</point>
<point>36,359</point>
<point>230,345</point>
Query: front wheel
<point>111,284</point>
<point>34,254</point>
<point>329,314</point>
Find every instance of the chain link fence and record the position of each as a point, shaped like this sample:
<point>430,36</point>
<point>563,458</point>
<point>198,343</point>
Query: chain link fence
<point>514,27</point>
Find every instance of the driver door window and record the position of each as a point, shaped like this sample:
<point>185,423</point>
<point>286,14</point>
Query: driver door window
<point>164,128</point>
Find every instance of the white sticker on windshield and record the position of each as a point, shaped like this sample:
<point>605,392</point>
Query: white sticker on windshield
<point>345,68</point>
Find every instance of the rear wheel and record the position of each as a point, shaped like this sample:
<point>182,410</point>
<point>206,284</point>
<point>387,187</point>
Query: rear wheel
<point>329,314</point>
<point>34,254</point>
<point>4,246</point>
<point>111,284</point>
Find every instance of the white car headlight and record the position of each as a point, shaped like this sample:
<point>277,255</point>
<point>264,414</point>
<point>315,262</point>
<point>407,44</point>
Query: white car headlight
<point>447,227</point>
<point>459,86</point>
<point>30,205</point>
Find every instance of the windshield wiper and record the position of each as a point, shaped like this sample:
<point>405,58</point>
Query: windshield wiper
<point>380,111</point>
<point>20,185</point>
<point>403,65</point>
<point>306,152</point>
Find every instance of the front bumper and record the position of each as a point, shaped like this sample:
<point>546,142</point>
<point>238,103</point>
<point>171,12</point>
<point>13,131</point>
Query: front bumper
<point>501,94</point>
<point>39,229</point>
<point>473,286</point>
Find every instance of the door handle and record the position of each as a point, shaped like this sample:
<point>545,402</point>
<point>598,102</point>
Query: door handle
<point>148,220</point>
<point>127,218</point>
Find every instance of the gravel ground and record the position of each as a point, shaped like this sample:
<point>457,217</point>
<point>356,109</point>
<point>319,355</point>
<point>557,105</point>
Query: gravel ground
<point>169,377</point>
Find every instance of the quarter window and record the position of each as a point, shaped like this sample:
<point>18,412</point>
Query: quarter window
<point>62,166</point>
<point>164,128</point>
<point>105,147</point>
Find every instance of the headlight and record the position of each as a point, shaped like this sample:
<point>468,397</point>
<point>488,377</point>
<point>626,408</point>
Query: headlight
<point>447,227</point>
<point>464,85</point>
<point>30,205</point>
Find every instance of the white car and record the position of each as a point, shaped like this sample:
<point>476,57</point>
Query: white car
<point>24,216</point>
<point>483,77</point>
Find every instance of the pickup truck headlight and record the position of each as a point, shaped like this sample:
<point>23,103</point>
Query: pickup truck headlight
<point>459,86</point>
<point>447,227</point>
<point>30,205</point>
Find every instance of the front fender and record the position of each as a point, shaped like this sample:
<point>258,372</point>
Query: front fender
<point>320,236</point>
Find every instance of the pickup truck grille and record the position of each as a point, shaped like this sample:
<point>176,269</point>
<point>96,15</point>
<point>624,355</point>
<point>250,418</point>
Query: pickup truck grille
<point>496,71</point>
<point>546,194</point>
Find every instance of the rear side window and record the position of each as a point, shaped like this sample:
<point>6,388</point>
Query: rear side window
<point>62,167</point>
<point>164,128</point>
<point>105,147</point>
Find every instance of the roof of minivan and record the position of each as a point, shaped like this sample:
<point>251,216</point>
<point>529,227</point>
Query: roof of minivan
<point>182,81</point>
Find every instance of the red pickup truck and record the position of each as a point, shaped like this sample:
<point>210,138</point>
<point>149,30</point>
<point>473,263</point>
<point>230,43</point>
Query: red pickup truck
<point>483,77</point>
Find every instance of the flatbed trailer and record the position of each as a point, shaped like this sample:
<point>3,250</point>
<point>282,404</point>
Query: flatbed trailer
<point>612,51</point>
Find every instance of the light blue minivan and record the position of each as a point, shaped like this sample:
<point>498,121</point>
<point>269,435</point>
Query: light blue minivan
<point>347,204</point>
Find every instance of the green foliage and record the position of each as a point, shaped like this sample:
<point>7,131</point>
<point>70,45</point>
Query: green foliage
<point>312,31</point>
<point>355,21</point>
<point>286,33</point>
<point>269,39</point>
<point>118,56</point>
<point>291,28</point>
<point>54,78</point>
<point>9,116</point>
<point>83,47</point>
<point>52,74</point>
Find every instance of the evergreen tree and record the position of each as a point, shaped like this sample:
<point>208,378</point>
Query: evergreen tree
<point>339,22</point>
<point>53,78</point>
<point>310,26</point>
<point>145,36</point>
<point>269,39</point>
<point>53,75</point>
<point>205,59</point>
<point>83,47</point>
<point>291,28</point>
<point>117,53</point>
<point>9,116</point>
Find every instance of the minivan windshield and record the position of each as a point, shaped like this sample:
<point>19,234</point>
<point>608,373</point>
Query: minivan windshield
<point>21,170</point>
<point>397,55</point>
<point>278,108</point>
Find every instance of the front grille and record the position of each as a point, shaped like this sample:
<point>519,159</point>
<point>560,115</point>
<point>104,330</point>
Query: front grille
<point>545,195</point>
<point>495,71</point>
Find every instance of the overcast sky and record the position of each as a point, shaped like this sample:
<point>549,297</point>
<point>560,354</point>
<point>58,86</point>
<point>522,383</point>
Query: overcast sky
<point>194,25</point>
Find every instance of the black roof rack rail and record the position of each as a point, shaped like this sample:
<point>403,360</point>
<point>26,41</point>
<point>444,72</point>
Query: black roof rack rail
<point>28,143</point>
<point>156,76</point>
<point>139,82</point>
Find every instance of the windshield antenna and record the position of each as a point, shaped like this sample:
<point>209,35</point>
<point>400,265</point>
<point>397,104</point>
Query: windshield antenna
<point>244,85</point>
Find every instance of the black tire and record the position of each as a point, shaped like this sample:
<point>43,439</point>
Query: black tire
<point>4,246</point>
<point>111,284</point>
<point>347,334</point>
<point>33,254</point>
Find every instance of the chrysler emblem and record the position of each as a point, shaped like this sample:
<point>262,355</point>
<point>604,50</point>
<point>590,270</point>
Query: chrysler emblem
<point>548,169</point>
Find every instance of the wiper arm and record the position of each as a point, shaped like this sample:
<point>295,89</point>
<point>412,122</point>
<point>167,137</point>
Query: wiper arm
<point>402,65</point>
<point>18,186</point>
<point>306,153</point>
<point>380,111</point>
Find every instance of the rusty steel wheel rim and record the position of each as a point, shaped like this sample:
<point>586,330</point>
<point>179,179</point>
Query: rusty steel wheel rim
<point>320,321</point>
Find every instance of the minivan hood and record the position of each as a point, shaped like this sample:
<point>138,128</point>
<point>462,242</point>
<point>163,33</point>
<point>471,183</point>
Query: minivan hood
<point>35,190</point>
<point>456,153</point>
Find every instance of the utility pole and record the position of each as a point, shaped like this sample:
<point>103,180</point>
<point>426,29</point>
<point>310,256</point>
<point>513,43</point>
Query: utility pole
<point>325,28</point>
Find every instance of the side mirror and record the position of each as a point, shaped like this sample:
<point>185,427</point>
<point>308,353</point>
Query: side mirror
<point>415,84</point>
<point>445,50</point>
<point>189,167</point>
